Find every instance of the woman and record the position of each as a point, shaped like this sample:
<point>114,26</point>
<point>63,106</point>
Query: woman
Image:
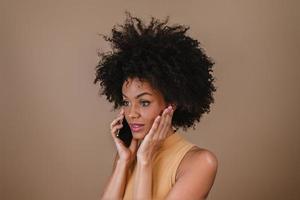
<point>161,79</point>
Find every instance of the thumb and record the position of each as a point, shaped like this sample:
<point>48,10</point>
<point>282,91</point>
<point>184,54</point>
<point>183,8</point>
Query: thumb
<point>119,143</point>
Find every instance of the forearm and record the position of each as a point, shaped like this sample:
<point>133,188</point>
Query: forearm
<point>117,182</point>
<point>143,181</point>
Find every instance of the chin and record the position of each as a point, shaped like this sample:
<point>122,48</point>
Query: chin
<point>139,135</point>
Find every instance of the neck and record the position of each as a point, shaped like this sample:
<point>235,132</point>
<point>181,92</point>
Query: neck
<point>170,132</point>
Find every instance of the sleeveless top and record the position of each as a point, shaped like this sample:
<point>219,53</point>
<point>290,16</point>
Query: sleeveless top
<point>164,168</point>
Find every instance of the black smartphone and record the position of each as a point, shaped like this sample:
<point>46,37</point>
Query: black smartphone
<point>125,133</point>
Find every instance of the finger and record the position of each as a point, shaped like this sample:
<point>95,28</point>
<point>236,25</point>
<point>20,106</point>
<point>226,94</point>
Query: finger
<point>162,131</point>
<point>115,130</point>
<point>116,121</point>
<point>121,112</point>
<point>166,126</point>
<point>119,143</point>
<point>161,124</point>
<point>165,129</point>
<point>163,116</point>
<point>153,130</point>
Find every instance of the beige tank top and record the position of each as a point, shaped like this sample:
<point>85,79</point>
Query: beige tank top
<point>165,166</point>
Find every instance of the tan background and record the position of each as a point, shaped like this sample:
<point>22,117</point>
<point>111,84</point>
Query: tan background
<point>55,142</point>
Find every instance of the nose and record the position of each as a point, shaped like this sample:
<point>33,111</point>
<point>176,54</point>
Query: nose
<point>133,112</point>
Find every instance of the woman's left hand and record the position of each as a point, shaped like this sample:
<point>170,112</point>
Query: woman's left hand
<point>157,134</point>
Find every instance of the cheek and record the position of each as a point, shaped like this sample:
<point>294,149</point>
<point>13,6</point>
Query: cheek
<point>150,115</point>
<point>148,123</point>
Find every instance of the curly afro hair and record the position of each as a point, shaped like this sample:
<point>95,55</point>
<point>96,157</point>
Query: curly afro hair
<point>172,62</point>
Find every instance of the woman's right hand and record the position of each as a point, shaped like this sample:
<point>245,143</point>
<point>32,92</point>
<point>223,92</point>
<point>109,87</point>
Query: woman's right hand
<point>126,155</point>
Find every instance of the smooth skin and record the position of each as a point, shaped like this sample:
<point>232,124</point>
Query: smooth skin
<point>142,104</point>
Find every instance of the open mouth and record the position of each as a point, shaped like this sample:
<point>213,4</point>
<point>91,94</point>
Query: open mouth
<point>136,127</point>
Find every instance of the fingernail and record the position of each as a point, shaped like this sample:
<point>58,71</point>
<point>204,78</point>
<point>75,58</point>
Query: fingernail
<point>169,108</point>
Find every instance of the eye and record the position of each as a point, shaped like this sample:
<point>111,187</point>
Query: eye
<point>125,103</point>
<point>145,103</point>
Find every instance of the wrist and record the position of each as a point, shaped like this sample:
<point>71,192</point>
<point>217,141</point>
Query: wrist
<point>144,162</point>
<point>123,163</point>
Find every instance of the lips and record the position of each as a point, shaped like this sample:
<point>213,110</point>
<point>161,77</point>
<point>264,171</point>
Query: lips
<point>136,127</point>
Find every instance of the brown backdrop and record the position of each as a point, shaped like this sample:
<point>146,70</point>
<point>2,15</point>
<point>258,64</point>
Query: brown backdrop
<point>55,141</point>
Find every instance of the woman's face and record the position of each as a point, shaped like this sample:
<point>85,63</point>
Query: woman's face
<point>142,104</point>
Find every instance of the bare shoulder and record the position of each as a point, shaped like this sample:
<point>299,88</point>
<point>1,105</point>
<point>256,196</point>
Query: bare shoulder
<point>195,175</point>
<point>198,159</point>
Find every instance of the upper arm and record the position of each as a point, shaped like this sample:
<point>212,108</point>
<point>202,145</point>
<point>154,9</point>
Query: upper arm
<point>197,177</point>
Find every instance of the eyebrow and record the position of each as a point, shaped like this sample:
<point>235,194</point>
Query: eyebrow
<point>139,95</point>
